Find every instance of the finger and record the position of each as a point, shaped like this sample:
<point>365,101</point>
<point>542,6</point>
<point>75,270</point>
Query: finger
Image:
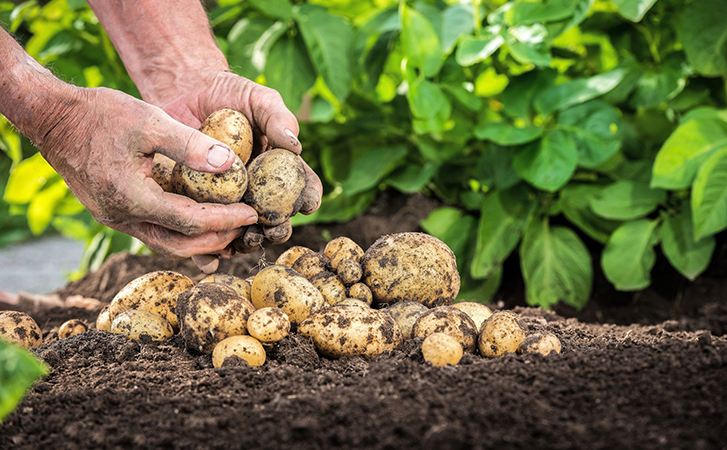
<point>274,119</point>
<point>312,192</point>
<point>206,263</point>
<point>279,233</point>
<point>177,245</point>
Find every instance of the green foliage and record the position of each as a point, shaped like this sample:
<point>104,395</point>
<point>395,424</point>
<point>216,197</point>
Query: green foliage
<point>18,371</point>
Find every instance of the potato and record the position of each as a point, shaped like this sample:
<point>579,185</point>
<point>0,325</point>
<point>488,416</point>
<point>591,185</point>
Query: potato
<point>19,328</point>
<point>103,321</point>
<point>291,255</point>
<point>349,271</point>
<point>203,187</point>
<point>310,265</point>
<point>361,292</point>
<point>544,344</point>
<point>71,328</point>
<point>441,349</point>
<point>406,314</point>
<point>343,243</point>
<point>502,333</point>
<point>241,286</point>
<point>448,320</point>
<point>353,302</point>
<point>161,171</point>
<point>342,255</point>
<point>231,128</point>
<point>268,325</point>
<point>345,331</point>
<point>211,312</point>
<point>134,323</point>
<point>284,288</point>
<point>330,286</point>
<point>411,266</point>
<point>154,292</point>
<point>276,180</point>
<point>477,312</point>
<point>244,347</point>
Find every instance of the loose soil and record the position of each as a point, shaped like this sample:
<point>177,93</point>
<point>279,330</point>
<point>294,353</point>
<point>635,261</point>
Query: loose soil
<point>641,371</point>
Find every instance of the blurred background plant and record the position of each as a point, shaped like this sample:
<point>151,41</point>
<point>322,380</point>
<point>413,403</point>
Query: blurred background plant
<point>564,130</point>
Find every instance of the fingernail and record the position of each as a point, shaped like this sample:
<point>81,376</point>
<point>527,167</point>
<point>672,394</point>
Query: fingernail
<point>218,155</point>
<point>292,135</point>
<point>251,220</point>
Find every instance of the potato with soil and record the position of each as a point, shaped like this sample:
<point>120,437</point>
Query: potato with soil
<point>361,292</point>
<point>349,247</point>
<point>211,312</point>
<point>284,288</point>
<point>310,265</point>
<point>71,328</point>
<point>345,331</point>
<point>330,286</point>
<point>155,292</point>
<point>204,187</point>
<point>161,171</point>
<point>291,255</point>
<point>244,347</point>
<point>353,302</point>
<point>103,321</point>
<point>502,333</point>
<point>448,320</point>
<point>545,344</point>
<point>231,128</point>
<point>136,323</point>
<point>441,349</point>
<point>349,271</point>
<point>406,314</point>
<point>411,266</point>
<point>268,325</point>
<point>19,328</point>
<point>241,286</point>
<point>477,312</point>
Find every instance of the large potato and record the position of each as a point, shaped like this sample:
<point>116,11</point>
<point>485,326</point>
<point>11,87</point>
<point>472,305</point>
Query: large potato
<point>232,128</point>
<point>135,323</point>
<point>245,347</point>
<point>276,180</point>
<point>284,288</point>
<point>203,187</point>
<point>211,312</point>
<point>344,331</point>
<point>411,266</point>
<point>477,312</point>
<point>19,328</point>
<point>406,314</point>
<point>448,320</point>
<point>502,333</point>
<point>241,286</point>
<point>154,292</point>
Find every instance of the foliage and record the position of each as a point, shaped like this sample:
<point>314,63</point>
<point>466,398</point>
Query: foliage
<point>18,371</point>
<point>547,127</point>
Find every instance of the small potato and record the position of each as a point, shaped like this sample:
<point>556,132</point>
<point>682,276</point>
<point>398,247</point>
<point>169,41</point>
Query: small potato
<point>330,286</point>
<point>161,171</point>
<point>19,328</point>
<point>345,331</point>
<point>231,128</point>
<point>154,292</point>
<point>71,328</point>
<point>203,187</point>
<point>244,347</point>
<point>343,243</point>
<point>441,349</point>
<point>411,266</point>
<point>502,333</point>
<point>276,180</point>
<point>342,255</point>
<point>268,325</point>
<point>211,312</point>
<point>103,321</point>
<point>353,302</point>
<point>477,312</point>
<point>279,233</point>
<point>284,288</point>
<point>544,344</point>
<point>310,265</point>
<point>361,292</point>
<point>291,255</point>
<point>406,314</point>
<point>251,240</point>
<point>135,323</point>
<point>241,286</point>
<point>448,320</point>
<point>349,271</point>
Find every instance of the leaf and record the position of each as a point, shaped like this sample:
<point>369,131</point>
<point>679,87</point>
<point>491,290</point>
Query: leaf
<point>704,36</point>
<point>629,255</point>
<point>575,201</point>
<point>277,9</point>
<point>596,129</point>
<point>502,216</point>
<point>626,200</point>
<point>453,227</point>
<point>262,47</point>
<point>481,291</point>
<point>420,42</point>
<point>549,163</point>
<point>368,170</point>
<point>28,177</point>
<point>464,97</point>
<point>574,92</point>
<point>519,94</point>
<point>489,83</point>
<point>242,39</point>
<point>633,10</point>
<point>43,205</point>
<point>495,170</point>
<point>474,49</point>
<point>556,266</point>
<point>412,178</point>
<point>688,256</point>
<point>709,196</point>
<point>328,39</point>
<point>289,71</point>
<point>689,145</point>
<point>426,99</point>
<point>457,21</point>
<point>527,44</point>
<point>660,85</point>
<point>506,134</point>
<point>18,371</point>
<point>523,13</point>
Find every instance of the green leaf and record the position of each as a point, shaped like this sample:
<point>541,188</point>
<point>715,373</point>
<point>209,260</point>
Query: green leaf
<point>28,177</point>
<point>626,200</point>
<point>289,71</point>
<point>481,291</point>
<point>43,205</point>
<point>506,134</point>
<point>686,149</point>
<point>660,85</point>
<point>709,196</point>
<point>277,9</point>
<point>633,10</point>
<point>524,13</point>
<point>426,99</point>
<point>474,49</point>
<point>457,21</point>
<point>549,163</point>
<point>453,227</point>
<point>556,266</point>
<point>464,97</point>
<point>262,47</point>
<point>575,203</point>
<point>519,94</point>
<point>502,217</point>
<point>527,44</point>
<point>420,42</point>
<point>412,178</point>
<point>688,256</point>
<point>629,255</point>
<point>328,39</point>
<point>704,35</point>
<point>368,170</point>
<point>242,39</point>
<point>574,92</point>
<point>18,371</point>
<point>596,129</point>
<point>494,168</point>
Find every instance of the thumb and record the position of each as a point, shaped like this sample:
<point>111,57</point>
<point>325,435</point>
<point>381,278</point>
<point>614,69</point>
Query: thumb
<point>194,149</point>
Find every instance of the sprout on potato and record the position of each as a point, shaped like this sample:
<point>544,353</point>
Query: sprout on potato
<point>268,325</point>
<point>502,333</point>
<point>448,320</point>
<point>19,328</point>
<point>441,349</point>
<point>71,328</point>
<point>245,347</point>
<point>136,323</point>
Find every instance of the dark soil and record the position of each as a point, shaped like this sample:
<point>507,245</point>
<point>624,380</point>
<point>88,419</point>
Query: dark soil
<point>655,377</point>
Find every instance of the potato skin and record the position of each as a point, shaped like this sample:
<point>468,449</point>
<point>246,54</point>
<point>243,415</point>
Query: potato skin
<point>353,302</point>
<point>154,292</point>
<point>135,323</point>
<point>406,314</point>
<point>103,321</point>
<point>19,328</point>
<point>71,328</point>
<point>477,312</point>
<point>544,344</point>
<point>244,347</point>
<point>330,286</point>
<point>360,291</point>
<point>345,331</point>
<point>441,349</point>
<point>232,128</point>
<point>161,171</point>
<point>268,325</point>
<point>448,320</point>
<point>223,187</point>
<point>284,288</point>
<point>411,266</point>
<point>276,180</point>
<point>349,271</point>
<point>502,333</point>
<point>343,243</point>
<point>241,286</point>
<point>310,265</point>
<point>291,255</point>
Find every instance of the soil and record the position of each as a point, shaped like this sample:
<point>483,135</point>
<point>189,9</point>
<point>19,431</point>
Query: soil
<point>637,371</point>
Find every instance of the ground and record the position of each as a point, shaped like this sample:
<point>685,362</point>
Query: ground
<point>644,371</point>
